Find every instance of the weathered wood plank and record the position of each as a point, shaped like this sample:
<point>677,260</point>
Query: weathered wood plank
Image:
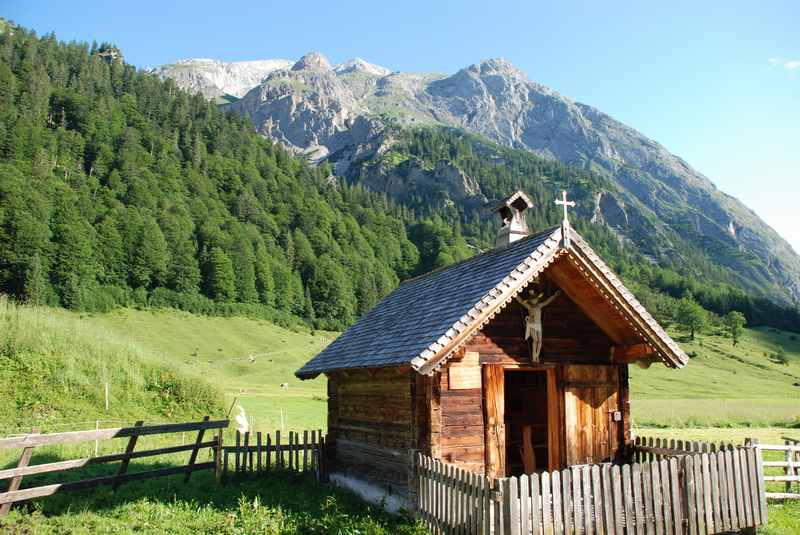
<point>722,477</point>
<point>586,499</point>
<point>637,498</point>
<point>658,501</point>
<point>619,504</point>
<point>123,465</point>
<point>747,503</point>
<point>608,500</point>
<point>716,502</point>
<point>597,501</point>
<point>535,490</point>
<point>708,494</point>
<point>525,504</point>
<point>689,493</point>
<point>494,401</point>
<point>558,511</point>
<point>567,502</point>
<point>193,456</point>
<point>49,490</point>
<point>666,496</point>
<point>627,492</point>
<point>647,496</point>
<point>547,504</point>
<point>577,501</point>
<point>677,496</point>
<point>16,482</point>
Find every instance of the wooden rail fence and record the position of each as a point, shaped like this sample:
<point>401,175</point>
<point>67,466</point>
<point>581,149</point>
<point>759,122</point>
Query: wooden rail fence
<point>790,465</point>
<point>31,441</point>
<point>690,492</point>
<point>303,451</point>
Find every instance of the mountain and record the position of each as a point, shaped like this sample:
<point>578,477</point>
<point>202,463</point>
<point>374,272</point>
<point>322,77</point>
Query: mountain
<point>350,114</point>
<point>215,78</point>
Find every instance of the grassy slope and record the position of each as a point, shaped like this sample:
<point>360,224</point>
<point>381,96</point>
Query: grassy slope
<point>53,367</point>
<point>218,349</point>
<point>722,386</point>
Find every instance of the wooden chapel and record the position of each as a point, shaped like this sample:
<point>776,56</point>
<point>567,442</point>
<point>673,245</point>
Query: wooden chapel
<point>513,361</point>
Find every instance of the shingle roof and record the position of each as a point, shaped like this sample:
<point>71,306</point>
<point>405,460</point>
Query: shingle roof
<point>420,311</point>
<point>425,319</point>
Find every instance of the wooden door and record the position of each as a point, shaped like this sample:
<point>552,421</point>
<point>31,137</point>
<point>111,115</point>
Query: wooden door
<point>592,413</point>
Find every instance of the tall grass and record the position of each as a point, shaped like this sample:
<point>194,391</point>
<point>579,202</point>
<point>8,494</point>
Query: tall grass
<point>54,368</point>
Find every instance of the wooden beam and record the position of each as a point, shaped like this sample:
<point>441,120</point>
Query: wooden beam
<point>494,403</point>
<point>102,434</point>
<point>592,303</point>
<point>58,466</point>
<point>24,459</point>
<point>630,353</point>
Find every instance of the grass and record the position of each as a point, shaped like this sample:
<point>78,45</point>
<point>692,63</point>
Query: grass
<point>54,367</point>
<point>244,358</point>
<point>723,385</point>
<point>52,363</point>
<point>284,503</point>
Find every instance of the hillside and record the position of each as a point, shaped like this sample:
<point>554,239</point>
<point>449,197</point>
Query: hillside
<point>345,116</point>
<point>723,385</point>
<point>54,367</point>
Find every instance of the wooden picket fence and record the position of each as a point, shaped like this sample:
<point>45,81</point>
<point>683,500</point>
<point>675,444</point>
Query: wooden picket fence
<point>453,500</point>
<point>678,492</point>
<point>303,451</point>
<point>31,441</point>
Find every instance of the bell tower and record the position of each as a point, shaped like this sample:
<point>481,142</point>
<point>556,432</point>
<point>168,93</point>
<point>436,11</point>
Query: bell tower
<point>512,219</point>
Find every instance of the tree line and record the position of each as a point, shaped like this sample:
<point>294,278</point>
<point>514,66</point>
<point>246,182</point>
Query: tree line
<point>118,189</point>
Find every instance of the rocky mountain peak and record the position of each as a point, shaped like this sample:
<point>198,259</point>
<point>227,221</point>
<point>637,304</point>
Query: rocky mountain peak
<point>312,61</point>
<point>497,66</point>
<point>362,66</point>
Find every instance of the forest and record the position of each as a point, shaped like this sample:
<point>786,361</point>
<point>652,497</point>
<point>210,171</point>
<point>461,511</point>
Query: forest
<point>119,189</point>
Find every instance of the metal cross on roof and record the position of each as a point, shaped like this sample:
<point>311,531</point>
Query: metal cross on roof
<point>565,224</point>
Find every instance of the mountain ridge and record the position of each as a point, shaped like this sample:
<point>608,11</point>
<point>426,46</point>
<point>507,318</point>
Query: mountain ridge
<point>320,112</point>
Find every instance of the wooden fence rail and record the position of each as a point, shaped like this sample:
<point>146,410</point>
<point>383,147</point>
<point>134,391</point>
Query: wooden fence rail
<point>303,451</point>
<point>694,493</point>
<point>31,441</point>
<point>790,465</point>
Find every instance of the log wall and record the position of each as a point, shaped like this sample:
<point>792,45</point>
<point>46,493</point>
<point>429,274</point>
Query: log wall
<point>372,425</point>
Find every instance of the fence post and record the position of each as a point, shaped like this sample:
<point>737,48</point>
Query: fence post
<point>193,456</point>
<point>15,483</point>
<point>218,457</point>
<point>123,465</point>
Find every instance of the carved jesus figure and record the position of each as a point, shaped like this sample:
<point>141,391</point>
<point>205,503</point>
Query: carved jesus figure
<point>533,320</point>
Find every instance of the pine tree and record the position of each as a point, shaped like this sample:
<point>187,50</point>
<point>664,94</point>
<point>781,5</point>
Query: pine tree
<point>220,275</point>
<point>36,282</point>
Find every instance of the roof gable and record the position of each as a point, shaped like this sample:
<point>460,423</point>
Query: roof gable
<point>426,319</point>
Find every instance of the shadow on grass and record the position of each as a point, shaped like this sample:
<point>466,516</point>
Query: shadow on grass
<point>292,495</point>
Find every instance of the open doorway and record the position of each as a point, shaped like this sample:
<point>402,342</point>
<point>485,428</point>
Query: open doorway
<point>526,421</point>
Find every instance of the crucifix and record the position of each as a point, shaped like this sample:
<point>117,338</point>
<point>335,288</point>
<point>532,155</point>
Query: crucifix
<point>533,320</point>
<point>565,224</point>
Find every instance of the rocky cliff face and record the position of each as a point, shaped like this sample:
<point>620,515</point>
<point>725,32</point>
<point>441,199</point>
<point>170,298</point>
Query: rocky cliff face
<point>215,78</point>
<point>341,112</point>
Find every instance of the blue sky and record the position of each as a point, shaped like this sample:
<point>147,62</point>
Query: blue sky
<point>718,84</point>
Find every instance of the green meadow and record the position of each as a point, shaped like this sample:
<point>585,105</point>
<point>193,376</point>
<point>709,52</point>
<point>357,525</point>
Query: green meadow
<point>169,365</point>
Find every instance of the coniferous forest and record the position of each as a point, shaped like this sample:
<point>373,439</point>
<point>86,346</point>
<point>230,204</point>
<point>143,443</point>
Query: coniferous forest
<point>119,189</point>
